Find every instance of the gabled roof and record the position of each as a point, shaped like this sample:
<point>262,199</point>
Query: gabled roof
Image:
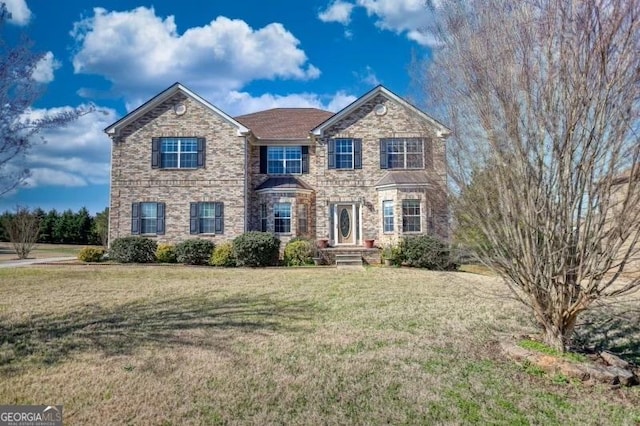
<point>379,90</point>
<point>115,128</point>
<point>283,183</point>
<point>284,123</point>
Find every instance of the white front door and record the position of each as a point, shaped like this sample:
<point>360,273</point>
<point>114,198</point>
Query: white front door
<point>345,224</point>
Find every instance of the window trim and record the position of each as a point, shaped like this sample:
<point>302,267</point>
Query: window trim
<point>276,219</point>
<point>284,160</point>
<point>385,216</point>
<point>385,143</point>
<point>157,152</point>
<point>406,216</point>
<point>195,217</point>
<point>264,217</point>
<point>302,211</point>
<point>356,153</point>
<point>136,218</point>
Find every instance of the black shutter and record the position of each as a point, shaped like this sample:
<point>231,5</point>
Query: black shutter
<point>201,152</point>
<point>193,219</point>
<point>155,153</point>
<point>383,154</point>
<point>219,218</point>
<point>331,154</point>
<point>160,217</point>
<point>428,155</point>
<point>357,153</point>
<point>305,159</point>
<point>263,159</point>
<point>135,218</point>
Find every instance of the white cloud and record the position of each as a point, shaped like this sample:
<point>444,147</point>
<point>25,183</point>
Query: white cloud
<point>410,17</point>
<point>368,76</point>
<point>43,72</point>
<point>338,11</point>
<point>140,52</point>
<point>77,154</point>
<point>20,13</point>
<point>238,103</point>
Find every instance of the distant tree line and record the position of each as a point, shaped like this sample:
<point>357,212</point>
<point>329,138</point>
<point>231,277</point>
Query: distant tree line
<point>65,227</point>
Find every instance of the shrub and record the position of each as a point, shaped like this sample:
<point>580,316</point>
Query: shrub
<point>91,254</point>
<point>394,254</point>
<point>427,252</point>
<point>223,255</point>
<point>133,250</point>
<point>256,249</point>
<point>298,252</point>
<point>166,253</point>
<point>194,252</point>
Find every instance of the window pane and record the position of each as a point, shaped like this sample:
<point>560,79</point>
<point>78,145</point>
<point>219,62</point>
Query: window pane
<point>302,218</point>
<point>405,153</point>
<point>284,160</point>
<point>411,215</point>
<point>179,153</point>
<point>344,153</point>
<point>148,218</point>
<point>282,217</point>
<point>263,217</point>
<point>387,215</point>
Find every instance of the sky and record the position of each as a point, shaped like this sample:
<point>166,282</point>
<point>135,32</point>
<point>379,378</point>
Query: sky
<point>243,56</point>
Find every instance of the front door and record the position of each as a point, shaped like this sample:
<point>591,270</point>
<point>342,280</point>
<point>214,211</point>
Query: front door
<point>345,224</point>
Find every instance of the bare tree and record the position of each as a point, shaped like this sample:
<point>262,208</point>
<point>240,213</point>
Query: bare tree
<point>23,229</point>
<point>544,98</point>
<point>18,91</point>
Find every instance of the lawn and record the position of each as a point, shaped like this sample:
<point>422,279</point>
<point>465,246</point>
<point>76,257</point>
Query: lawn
<point>180,345</point>
<point>40,251</point>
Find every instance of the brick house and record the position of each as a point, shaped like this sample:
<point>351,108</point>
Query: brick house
<point>182,168</point>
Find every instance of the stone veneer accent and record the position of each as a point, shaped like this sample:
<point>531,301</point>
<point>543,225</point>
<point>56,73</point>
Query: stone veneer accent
<point>225,177</point>
<point>221,179</point>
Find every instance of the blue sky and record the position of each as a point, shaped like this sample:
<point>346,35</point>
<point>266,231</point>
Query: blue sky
<point>243,56</point>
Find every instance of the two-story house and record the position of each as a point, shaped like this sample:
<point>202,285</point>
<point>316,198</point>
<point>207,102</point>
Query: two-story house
<point>182,168</point>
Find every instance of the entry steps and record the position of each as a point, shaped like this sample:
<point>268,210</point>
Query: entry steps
<point>348,259</point>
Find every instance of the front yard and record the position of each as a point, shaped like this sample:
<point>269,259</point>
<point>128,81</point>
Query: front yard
<point>181,345</point>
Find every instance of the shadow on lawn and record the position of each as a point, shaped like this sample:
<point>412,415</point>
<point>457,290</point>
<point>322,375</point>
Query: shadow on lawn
<point>184,321</point>
<point>615,328</point>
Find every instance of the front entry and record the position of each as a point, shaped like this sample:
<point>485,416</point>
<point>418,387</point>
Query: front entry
<point>346,223</point>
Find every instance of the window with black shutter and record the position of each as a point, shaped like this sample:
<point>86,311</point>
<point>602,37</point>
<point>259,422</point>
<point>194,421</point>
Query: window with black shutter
<point>206,218</point>
<point>178,153</point>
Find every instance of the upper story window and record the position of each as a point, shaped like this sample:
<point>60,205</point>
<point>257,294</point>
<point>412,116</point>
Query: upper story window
<point>177,153</point>
<point>344,153</point>
<point>402,153</point>
<point>284,160</point>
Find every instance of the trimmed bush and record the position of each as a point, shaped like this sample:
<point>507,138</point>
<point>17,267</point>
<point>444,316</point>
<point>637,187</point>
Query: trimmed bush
<point>133,250</point>
<point>194,252</point>
<point>427,252</point>
<point>91,254</point>
<point>223,255</point>
<point>298,252</point>
<point>256,249</point>
<point>166,253</point>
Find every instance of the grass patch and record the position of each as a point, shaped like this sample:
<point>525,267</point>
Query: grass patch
<point>183,345</point>
<point>536,346</point>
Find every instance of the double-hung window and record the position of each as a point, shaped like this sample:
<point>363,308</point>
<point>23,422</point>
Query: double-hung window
<point>411,216</point>
<point>303,219</point>
<point>387,216</point>
<point>147,218</point>
<point>263,217</point>
<point>177,153</point>
<point>402,153</point>
<point>206,218</point>
<point>282,218</point>
<point>284,160</point>
<point>344,153</point>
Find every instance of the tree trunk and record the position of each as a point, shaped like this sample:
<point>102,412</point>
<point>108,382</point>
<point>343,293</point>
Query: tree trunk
<point>557,333</point>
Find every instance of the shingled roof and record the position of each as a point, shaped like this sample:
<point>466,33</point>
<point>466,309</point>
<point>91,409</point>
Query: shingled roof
<point>284,123</point>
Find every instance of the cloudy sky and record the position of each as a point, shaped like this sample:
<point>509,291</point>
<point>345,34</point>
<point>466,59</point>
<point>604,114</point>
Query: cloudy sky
<point>243,56</point>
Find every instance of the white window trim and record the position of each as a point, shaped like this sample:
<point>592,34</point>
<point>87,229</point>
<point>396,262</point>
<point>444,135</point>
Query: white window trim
<point>178,152</point>
<point>284,160</point>
<point>353,154</point>
<point>393,224</point>
<point>404,153</point>
<point>420,216</point>
<point>282,218</point>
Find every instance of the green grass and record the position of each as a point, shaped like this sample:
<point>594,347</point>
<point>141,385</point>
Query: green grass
<point>180,345</point>
<point>547,350</point>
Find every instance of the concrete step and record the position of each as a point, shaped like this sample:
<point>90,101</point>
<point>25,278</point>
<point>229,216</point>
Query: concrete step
<point>348,260</point>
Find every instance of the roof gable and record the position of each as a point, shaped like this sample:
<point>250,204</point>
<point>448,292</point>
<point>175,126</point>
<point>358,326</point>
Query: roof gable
<point>284,123</point>
<point>379,90</point>
<point>114,129</point>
